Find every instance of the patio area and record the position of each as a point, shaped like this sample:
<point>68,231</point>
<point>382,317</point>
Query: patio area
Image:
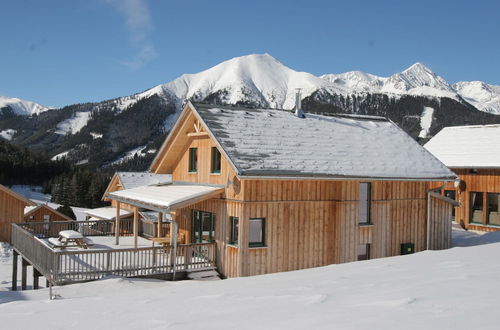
<point>134,256</point>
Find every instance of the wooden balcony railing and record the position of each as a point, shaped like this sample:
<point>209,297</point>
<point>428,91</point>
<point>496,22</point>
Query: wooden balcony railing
<point>63,267</point>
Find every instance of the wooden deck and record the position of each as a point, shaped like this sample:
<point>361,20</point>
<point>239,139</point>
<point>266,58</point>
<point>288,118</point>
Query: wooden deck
<point>79,265</point>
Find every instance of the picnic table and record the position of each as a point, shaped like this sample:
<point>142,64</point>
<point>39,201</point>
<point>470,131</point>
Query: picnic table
<point>69,238</point>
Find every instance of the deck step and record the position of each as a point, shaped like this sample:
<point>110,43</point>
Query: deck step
<point>205,275</point>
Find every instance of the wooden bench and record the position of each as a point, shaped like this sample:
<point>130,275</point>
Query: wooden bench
<point>166,239</point>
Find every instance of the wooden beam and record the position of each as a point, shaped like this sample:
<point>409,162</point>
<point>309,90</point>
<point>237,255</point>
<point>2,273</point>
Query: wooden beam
<point>24,266</point>
<point>136,225</point>
<point>160,220</point>
<point>36,276</point>
<point>117,224</point>
<point>197,134</point>
<point>14,270</point>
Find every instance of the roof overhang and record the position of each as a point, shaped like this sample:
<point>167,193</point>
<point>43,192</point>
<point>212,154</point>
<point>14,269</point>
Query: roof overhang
<point>107,213</point>
<point>342,178</point>
<point>168,197</point>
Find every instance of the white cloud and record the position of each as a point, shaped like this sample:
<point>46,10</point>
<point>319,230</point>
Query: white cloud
<point>139,23</point>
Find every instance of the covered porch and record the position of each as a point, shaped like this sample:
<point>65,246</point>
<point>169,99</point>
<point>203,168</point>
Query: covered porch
<point>117,248</point>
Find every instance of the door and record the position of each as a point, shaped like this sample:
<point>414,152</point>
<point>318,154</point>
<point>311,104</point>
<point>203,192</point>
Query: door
<point>203,227</point>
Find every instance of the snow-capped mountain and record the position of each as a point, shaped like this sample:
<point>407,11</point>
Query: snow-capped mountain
<point>21,107</point>
<point>483,96</point>
<point>261,80</point>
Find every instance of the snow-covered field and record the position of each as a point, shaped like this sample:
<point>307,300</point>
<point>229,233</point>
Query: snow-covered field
<point>452,289</point>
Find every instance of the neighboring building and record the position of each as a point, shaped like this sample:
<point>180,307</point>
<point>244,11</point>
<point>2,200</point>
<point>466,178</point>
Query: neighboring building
<point>11,211</point>
<point>277,191</point>
<point>472,152</point>
<point>43,213</point>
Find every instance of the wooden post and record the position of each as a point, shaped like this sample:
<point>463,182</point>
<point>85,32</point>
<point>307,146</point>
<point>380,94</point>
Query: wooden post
<point>173,235</point>
<point>160,220</point>
<point>14,270</point>
<point>136,225</point>
<point>117,224</point>
<point>36,276</point>
<point>24,266</point>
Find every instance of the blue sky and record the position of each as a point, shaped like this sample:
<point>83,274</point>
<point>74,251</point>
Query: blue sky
<point>64,52</point>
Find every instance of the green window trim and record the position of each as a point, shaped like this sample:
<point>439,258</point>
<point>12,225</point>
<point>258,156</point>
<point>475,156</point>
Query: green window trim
<point>193,160</point>
<point>216,161</point>
<point>234,227</point>
<point>261,242</point>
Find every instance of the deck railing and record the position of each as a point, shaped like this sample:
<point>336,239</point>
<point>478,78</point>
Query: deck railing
<point>63,266</point>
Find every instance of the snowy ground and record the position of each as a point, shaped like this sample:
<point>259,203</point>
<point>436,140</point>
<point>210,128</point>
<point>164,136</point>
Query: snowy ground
<point>452,289</point>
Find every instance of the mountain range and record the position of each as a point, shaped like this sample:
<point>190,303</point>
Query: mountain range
<point>113,131</point>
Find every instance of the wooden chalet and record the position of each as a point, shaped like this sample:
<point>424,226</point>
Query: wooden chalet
<point>277,191</point>
<point>472,153</point>
<point>256,191</point>
<point>43,213</point>
<point>11,211</point>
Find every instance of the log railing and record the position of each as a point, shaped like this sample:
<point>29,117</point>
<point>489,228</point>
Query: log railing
<point>65,266</point>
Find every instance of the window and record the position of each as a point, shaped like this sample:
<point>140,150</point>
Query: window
<point>363,252</point>
<point>32,217</point>
<point>193,160</point>
<point>46,217</point>
<point>233,237</point>
<point>451,194</point>
<point>492,201</point>
<point>256,232</point>
<point>364,203</point>
<point>215,168</point>
<point>476,207</point>
<point>203,225</point>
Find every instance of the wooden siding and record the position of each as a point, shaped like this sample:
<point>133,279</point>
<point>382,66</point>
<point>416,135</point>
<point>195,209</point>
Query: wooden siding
<point>440,224</point>
<point>11,211</point>
<point>484,180</point>
<point>38,215</point>
<point>319,228</point>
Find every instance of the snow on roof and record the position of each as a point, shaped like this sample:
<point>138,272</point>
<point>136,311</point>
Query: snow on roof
<point>137,179</point>
<point>275,143</point>
<point>467,146</point>
<point>167,197</point>
<point>28,209</point>
<point>106,213</point>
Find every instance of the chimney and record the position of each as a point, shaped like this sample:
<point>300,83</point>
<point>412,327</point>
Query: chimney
<point>298,109</point>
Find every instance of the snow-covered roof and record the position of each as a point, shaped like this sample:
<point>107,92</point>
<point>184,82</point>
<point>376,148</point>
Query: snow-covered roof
<point>275,143</point>
<point>138,179</point>
<point>28,209</point>
<point>168,197</point>
<point>106,213</point>
<point>467,146</point>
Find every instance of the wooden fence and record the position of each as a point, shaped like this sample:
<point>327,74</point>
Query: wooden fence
<point>63,267</point>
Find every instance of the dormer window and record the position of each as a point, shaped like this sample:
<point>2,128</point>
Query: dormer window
<point>215,168</point>
<point>193,160</point>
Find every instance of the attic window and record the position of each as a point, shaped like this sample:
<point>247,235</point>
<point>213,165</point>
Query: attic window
<point>215,168</point>
<point>193,160</point>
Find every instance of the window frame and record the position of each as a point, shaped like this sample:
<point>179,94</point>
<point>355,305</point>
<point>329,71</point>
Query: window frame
<point>215,167</point>
<point>368,206</point>
<point>471,207</point>
<point>193,160</point>
<point>262,243</point>
<point>488,215</point>
<point>234,234</point>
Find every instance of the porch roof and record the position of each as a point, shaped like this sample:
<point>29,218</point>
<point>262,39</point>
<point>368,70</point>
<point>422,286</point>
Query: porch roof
<point>166,198</point>
<point>107,213</point>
